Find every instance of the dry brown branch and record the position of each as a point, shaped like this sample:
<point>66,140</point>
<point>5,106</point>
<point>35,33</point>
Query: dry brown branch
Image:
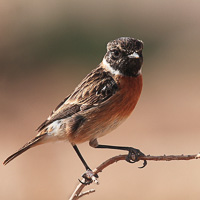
<point>86,192</point>
<point>77,193</point>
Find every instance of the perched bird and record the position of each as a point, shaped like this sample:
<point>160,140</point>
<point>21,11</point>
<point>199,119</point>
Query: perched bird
<point>100,103</point>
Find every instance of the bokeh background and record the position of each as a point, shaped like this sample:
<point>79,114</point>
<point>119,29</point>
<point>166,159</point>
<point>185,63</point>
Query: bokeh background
<point>47,47</point>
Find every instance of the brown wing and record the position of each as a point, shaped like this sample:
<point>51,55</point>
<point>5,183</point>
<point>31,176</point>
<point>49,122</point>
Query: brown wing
<point>96,87</point>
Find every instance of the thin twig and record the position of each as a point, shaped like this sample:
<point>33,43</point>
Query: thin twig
<point>77,193</point>
<point>86,192</point>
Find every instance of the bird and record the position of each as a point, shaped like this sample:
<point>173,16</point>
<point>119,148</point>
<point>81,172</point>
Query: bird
<point>100,103</point>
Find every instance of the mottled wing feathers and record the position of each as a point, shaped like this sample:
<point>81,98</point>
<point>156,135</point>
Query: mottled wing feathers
<point>96,88</point>
<point>67,111</point>
<point>47,122</point>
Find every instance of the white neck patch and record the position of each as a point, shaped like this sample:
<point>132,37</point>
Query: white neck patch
<point>110,69</point>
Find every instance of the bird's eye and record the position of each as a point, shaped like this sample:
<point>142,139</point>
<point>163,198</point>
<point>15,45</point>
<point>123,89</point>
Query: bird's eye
<point>116,53</point>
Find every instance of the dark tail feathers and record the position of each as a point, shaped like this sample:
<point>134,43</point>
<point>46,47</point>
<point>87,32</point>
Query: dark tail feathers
<point>27,146</point>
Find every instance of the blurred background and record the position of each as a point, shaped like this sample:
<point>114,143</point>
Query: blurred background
<point>47,47</point>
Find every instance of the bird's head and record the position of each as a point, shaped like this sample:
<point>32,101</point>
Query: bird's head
<point>124,56</point>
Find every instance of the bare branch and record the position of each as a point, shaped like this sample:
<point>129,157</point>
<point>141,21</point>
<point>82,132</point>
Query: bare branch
<point>77,193</point>
<point>86,192</point>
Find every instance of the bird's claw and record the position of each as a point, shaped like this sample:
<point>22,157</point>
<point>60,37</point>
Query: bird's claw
<point>135,153</point>
<point>85,182</point>
<point>89,177</point>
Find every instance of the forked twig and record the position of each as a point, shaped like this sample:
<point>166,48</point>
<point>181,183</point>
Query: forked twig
<point>77,192</point>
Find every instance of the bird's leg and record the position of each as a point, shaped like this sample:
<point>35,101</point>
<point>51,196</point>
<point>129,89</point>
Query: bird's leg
<point>88,175</point>
<point>81,157</point>
<point>132,151</point>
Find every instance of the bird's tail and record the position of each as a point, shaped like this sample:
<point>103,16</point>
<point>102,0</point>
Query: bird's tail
<point>27,146</point>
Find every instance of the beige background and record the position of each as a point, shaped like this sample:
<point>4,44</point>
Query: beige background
<point>47,47</point>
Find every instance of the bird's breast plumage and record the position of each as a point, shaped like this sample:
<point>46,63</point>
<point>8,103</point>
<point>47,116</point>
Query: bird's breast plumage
<point>103,118</point>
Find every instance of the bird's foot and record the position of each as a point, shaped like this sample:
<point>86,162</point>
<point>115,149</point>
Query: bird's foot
<point>89,177</point>
<point>133,156</point>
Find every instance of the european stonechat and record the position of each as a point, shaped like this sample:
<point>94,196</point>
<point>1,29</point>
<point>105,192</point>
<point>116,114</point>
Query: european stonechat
<point>100,103</point>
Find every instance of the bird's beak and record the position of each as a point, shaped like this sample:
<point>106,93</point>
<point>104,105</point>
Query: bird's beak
<point>134,55</point>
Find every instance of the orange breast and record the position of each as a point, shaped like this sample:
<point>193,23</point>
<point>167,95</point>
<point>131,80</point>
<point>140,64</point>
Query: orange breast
<point>130,90</point>
<point>107,116</point>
